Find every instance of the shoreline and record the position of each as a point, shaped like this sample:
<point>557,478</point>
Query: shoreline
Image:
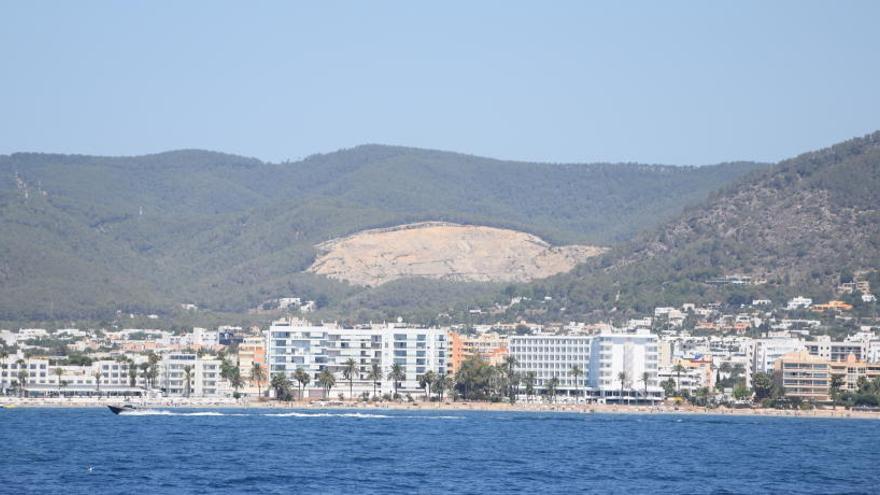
<point>200,403</point>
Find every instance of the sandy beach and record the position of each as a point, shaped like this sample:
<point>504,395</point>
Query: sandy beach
<point>11,403</point>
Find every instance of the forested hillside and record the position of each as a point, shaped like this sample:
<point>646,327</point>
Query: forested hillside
<point>84,236</point>
<point>799,225</point>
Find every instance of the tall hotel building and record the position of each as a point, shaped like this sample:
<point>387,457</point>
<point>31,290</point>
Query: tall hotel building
<point>553,356</point>
<point>617,367</point>
<point>295,344</point>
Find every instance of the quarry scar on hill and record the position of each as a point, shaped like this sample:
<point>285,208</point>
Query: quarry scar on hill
<point>447,251</point>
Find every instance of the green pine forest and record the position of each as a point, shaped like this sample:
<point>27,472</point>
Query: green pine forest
<point>85,236</point>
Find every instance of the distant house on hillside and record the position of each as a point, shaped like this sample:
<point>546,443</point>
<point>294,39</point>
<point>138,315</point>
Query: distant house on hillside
<point>799,303</point>
<point>832,306</point>
<point>736,279</point>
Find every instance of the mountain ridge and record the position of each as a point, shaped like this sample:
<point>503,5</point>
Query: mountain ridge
<point>799,224</point>
<point>86,236</point>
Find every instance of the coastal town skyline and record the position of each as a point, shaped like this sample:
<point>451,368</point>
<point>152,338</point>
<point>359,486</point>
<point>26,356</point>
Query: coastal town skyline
<point>712,355</point>
<point>463,247</point>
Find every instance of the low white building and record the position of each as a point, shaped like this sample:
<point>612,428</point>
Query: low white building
<point>689,380</point>
<point>42,378</point>
<point>204,376</point>
<point>799,303</point>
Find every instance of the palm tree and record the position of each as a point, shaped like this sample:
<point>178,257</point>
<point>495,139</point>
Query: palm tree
<point>678,369</point>
<point>440,385</point>
<point>98,376</point>
<point>450,385</point>
<point>551,388</point>
<point>145,374</point>
<point>509,366</point>
<point>622,377</point>
<point>258,375</point>
<point>302,379</point>
<point>132,374</point>
<point>426,381</point>
<point>577,372</point>
<point>236,381</point>
<point>3,355</point>
<point>836,384</point>
<point>22,376</point>
<point>187,374</point>
<point>396,376</point>
<point>327,381</point>
<point>348,371</point>
<point>153,359</point>
<point>281,385</point>
<point>375,376</point>
<point>529,381</point>
<point>58,372</point>
<point>22,382</point>
<point>645,377</point>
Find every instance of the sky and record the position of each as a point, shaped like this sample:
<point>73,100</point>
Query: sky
<point>654,82</point>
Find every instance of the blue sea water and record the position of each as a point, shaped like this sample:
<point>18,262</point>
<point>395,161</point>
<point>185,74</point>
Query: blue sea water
<point>338,451</point>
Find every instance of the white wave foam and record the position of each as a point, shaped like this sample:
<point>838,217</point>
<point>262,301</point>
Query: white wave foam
<point>162,412</point>
<point>327,415</point>
<point>291,414</point>
<point>354,415</point>
<point>147,412</point>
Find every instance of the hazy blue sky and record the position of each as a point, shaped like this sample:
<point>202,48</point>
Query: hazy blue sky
<point>664,82</point>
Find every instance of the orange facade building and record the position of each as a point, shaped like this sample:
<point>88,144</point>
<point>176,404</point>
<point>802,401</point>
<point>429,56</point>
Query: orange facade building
<point>489,346</point>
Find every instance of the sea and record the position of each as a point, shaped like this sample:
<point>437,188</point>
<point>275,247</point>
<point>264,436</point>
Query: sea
<point>254,451</point>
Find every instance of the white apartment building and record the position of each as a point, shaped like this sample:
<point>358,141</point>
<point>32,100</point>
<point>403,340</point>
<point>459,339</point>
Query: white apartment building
<point>872,351</point>
<point>623,367</point>
<point>295,344</point>
<point>36,370</point>
<point>825,348</point>
<point>605,359</point>
<point>765,352</point>
<point>689,380</point>
<point>104,378</point>
<point>553,356</point>
<point>204,375</point>
<point>198,338</point>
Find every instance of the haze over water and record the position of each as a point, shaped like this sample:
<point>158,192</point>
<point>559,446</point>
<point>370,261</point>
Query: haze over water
<point>286,451</point>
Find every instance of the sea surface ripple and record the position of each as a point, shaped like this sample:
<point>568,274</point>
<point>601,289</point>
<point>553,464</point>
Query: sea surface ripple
<point>91,451</point>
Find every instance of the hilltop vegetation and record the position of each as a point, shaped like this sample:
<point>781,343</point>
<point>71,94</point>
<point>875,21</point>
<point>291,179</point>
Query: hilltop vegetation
<point>799,225</point>
<point>84,236</point>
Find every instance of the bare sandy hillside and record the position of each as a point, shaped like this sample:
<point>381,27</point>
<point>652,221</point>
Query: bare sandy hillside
<point>445,250</point>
